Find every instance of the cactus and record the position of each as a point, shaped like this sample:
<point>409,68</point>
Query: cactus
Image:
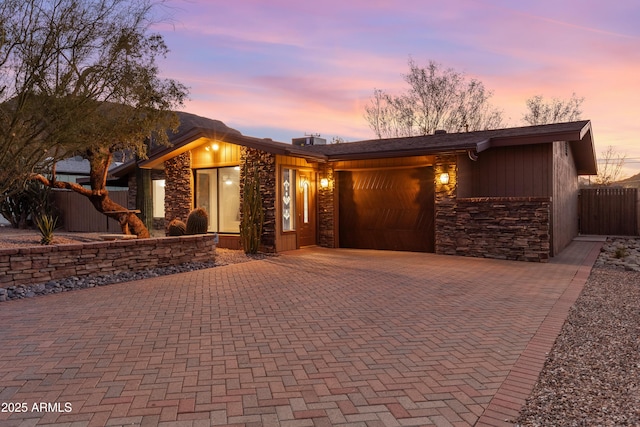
<point>177,227</point>
<point>198,221</point>
<point>252,213</point>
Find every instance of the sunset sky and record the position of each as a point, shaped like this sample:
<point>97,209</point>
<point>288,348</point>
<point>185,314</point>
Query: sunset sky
<point>282,69</point>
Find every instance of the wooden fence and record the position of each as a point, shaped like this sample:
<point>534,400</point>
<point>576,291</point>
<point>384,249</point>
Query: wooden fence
<point>78,214</point>
<point>609,211</point>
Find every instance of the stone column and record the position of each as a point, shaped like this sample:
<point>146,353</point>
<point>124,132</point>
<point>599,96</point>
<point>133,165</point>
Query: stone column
<point>326,204</point>
<point>446,204</point>
<point>266,163</point>
<point>178,190</point>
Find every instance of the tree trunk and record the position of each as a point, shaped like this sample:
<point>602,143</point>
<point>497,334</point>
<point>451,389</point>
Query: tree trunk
<point>144,196</point>
<point>129,221</point>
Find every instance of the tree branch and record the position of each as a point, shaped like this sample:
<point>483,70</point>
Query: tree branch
<point>67,186</point>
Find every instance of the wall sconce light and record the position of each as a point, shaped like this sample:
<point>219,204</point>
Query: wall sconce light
<point>444,178</point>
<point>324,183</point>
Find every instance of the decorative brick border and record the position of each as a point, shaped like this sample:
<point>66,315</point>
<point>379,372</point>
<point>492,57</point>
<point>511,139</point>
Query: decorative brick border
<point>517,387</point>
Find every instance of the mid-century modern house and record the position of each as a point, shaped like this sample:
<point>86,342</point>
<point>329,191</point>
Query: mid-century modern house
<point>507,193</point>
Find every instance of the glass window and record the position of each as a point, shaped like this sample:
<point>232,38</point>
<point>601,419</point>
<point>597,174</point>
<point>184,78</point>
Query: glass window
<point>229,200</point>
<point>218,192</point>
<point>158,198</point>
<point>305,201</point>
<point>288,199</point>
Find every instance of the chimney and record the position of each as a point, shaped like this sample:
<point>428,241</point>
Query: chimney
<point>439,132</point>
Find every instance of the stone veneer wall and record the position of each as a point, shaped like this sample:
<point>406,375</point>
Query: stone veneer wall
<point>326,211</point>
<point>40,264</point>
<point>266,163</point>
<point>513,228</point>
<point>445,205</point>
<point>178,196</point>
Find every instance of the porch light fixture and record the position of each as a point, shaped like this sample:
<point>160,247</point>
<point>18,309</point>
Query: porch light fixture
<point>215,146</point>
<point>324,183</point>
<point>444,178</point>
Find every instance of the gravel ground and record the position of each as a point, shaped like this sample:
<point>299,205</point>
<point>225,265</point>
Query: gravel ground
<point>592,375</point>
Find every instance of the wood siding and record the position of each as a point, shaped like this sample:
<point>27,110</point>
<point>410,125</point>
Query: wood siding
<point>225,155</point>
<point>79,215</point>
<point>564,210</point>
<point>609,211</point>
<point>521,171</point>
<point>389,209</point>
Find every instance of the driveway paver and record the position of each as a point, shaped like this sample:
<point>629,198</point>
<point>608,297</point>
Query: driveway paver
<point>315,337</point>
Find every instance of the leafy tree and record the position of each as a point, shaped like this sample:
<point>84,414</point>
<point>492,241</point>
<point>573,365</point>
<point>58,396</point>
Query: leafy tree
<point>541,112</point>
<point>437,98</point>
<point>79,77</point>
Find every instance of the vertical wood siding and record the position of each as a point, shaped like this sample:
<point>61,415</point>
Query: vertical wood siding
<point>79,215</point>
<point>609,211</point>
<point>564,210</point>
<point>226,155</point>
<point>520,171</point>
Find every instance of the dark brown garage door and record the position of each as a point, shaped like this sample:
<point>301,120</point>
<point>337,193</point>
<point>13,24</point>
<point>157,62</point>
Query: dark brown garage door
<point>387,209</point>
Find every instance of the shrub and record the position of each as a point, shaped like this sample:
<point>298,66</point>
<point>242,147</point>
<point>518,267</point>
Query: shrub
<point>177,228</point>
<point>621,252</point>
<point>29,200</point>
<point>198,221</point>
<point>46,225</point>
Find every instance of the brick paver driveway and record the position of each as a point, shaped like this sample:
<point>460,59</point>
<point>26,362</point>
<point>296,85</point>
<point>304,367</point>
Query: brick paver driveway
<point>310,338</point>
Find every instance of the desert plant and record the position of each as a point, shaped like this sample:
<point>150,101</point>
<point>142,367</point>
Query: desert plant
<point>46,226</point>
<point>197,221</point>
<point>252,213</point>
<point>177,228</point>
<point>621,252</point>
<point>20,203</point>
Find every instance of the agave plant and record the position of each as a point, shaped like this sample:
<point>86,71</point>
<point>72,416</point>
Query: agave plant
<point>46,225</point>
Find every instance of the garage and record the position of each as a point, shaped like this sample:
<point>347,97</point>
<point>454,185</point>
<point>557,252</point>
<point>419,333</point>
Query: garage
<point>390,209</point>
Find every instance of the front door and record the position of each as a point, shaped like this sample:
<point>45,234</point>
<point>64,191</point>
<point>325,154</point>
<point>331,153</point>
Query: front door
<point>306,198</point>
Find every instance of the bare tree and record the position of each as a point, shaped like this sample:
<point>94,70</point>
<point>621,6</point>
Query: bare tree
<point>610,167</point>
<point>80,77</point>
<point>541,112</point>
<point>437,98</point>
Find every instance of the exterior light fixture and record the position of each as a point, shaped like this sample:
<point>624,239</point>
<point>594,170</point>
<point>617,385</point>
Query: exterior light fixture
<point>215,146</point>
<point>324,183</point>
<point>444,178</point>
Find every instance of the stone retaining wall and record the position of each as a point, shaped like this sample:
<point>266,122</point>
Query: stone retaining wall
<point>40,264</point>
<point>514,228</point>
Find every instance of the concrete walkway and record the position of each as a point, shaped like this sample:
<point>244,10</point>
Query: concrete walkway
<point>315,337</point>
